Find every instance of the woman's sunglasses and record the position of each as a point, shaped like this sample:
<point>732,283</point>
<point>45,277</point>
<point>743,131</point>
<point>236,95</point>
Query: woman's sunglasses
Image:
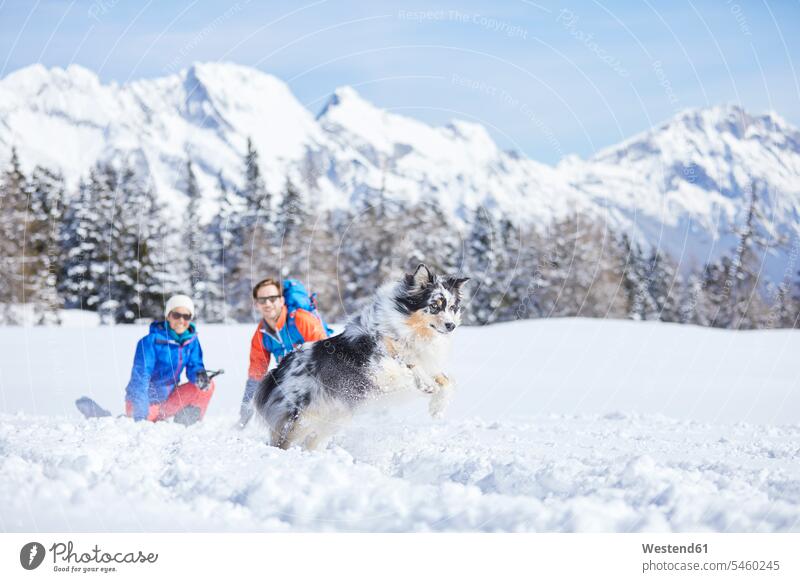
<point>176,316</point>
<point>265,300</point>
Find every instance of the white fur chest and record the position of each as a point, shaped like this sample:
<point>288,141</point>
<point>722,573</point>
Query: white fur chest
<point>429,354</point>
<point>406,365</point>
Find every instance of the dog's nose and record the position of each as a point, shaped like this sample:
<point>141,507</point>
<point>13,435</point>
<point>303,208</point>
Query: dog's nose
<point>450,326</point>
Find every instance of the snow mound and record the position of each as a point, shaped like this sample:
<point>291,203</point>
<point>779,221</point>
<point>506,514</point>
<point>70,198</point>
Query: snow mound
<point>556,473</point>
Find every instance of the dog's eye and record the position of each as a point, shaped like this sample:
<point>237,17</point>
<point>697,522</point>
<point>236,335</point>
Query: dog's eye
<point>437,305</point>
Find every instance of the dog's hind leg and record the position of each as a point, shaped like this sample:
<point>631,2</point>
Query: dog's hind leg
<point>281,432</point>
<point>326,423</point>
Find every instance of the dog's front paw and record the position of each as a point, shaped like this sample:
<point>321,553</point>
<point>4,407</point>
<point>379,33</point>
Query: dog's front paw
<point>442,380</point>
<point>438,403</point>
<point>423,382</point>
<point>441,396</point>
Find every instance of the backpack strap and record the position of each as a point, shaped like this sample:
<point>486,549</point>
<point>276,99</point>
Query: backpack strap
<point>277,347</point>
<point>294,334</point>
<point>315,312</point>
<point>289,338</point>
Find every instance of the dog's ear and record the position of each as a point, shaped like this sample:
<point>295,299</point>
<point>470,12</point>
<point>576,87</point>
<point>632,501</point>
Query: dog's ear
<point>422,276</point>
<point>455,283</point>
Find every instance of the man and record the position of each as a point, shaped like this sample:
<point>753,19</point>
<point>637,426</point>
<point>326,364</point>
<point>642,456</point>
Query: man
<point>278,333</point>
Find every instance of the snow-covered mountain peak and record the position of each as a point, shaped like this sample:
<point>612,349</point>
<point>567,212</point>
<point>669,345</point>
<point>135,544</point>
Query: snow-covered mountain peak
<point>474,134</point>
<point>29,80</point>
<point>694,133</point>
<point>696,173</point>
<point>33,79</point>
<point>691,173</point>
<point>339,96</point>
<point>237,84</point>
<point>39,85</point>
<point>386,135</point>
<point>732,121</point>
<point>78,76</point>
<point>346,112</point>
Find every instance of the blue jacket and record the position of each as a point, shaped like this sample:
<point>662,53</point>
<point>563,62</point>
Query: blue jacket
<point>158,364</point>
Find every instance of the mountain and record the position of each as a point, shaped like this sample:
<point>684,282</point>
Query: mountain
<point>67,119</point>
<point>687,182</point>
<point>681,185</point>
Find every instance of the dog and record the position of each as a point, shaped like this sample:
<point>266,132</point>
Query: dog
<point>397,343</point>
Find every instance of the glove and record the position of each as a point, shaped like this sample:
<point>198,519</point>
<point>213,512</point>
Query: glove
<point>245,414</point>
<point>202,381</point>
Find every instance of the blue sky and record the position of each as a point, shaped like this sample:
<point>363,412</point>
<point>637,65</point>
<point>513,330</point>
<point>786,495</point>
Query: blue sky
<point>547,78</point>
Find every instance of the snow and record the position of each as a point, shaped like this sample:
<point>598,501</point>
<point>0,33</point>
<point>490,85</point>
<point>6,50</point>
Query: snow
<point>556,425</point>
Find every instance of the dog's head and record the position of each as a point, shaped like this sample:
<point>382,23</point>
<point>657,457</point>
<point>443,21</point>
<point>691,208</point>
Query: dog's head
<point>431,304</point>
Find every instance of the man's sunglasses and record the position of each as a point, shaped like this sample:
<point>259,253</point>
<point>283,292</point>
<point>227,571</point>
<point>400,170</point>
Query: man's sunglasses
<point>176,316</point>
<point>265,300</point>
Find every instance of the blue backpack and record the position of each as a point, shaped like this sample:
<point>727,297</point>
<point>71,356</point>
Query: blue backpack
<point>295,297</point>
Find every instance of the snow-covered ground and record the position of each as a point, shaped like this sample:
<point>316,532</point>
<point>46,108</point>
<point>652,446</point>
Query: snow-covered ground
<point>565,425</point>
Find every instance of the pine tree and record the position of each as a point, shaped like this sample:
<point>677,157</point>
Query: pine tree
<point>311,170</point>
<point>220,256</point>
<point>78,238</point>
<point>293,231</point>
<point>715,300</point>
<point>483,249</point>
<point>108,195</point>
<point>692,305</point>
<point>382,231</point>
<point>157,277</point>
<point>292,213</point>
<point>747,305</point>
<point>257,199</point>
<point>509,270</point>
<point>793,319</point>
<point>599,271</point>
<point>258,220</point>
<point>782,312</point>
<point>637,281</point>
<point>787,304</point>
<point>369,252</point>
<point>118,261</point>
<point>235,250</point>
<point>431,238</point>
<point>665,287</point>
<point>45,213</point>
<point>322,265</point>
<point>582,270</point>
<point>255,227</point>
<point>192,238</point>
<point>650,282</point>
<point>14,193</point>
<point>525,289</point>
<point>555,297</point>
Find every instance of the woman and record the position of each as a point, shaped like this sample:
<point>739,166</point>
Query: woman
<point>162,355</point>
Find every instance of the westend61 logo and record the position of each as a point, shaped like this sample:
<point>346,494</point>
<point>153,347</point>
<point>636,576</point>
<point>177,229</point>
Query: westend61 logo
<point>66,559</point>
<point>31,555</point>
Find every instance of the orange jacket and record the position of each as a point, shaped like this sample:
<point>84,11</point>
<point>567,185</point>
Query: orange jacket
<point>307,324</point>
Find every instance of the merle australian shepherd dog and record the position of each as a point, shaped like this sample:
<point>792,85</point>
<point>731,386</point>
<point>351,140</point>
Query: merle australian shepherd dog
<point>397,343</point>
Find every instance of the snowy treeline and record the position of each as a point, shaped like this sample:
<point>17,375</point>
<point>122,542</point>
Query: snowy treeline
<point>110,247</point>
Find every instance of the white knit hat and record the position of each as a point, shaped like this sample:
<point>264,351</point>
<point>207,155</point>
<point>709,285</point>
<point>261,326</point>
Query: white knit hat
<point>179,301</point>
